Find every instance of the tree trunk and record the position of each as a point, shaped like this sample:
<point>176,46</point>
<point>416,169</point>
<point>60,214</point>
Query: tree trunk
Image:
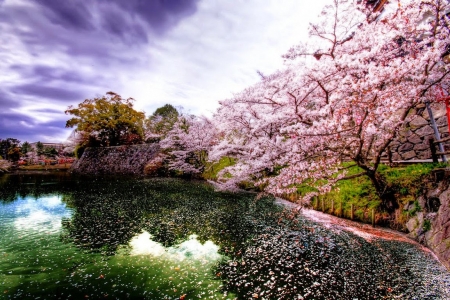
<point>384,191</point>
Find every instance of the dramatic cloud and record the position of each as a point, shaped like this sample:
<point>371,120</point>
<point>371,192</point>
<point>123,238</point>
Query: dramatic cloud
<point>189,53</point>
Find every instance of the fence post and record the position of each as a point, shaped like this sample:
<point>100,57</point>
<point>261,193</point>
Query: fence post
<point>340,209</point>
<point>433,150</point>
<point>351,212</point>
<point>436,131</point>
<point>332,207</point>
<point>323,205</point>
<point>373,217</point>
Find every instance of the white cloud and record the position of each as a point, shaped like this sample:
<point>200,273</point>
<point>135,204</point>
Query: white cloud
<point>217,51</point>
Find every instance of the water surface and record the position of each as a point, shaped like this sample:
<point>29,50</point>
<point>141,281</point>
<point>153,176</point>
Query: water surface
<point>65,237</point>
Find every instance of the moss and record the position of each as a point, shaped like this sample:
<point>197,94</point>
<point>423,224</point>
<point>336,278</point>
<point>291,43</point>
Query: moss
<point>426,225</point>
<point>212,169</point>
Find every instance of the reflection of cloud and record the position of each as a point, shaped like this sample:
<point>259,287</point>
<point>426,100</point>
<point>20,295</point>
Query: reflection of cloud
<point>38,220</point>
<point>190,249</point>
<point>43,214</point>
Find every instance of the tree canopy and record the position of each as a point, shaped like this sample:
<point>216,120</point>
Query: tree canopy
<point>188,143</point>
<point>342,97</point>
<point>161,122</point>
<point>26,147</point>
<point>109,120</point>
<point>10,149</point>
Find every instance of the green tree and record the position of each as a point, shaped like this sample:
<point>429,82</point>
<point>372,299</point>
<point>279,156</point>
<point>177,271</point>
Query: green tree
<point>26,147</point>
<point>161,122</point>
<point>6,145</point>
<point>50,152</point>
<point>14,153</point>
<point>107,121</point>
<point>39,148</point>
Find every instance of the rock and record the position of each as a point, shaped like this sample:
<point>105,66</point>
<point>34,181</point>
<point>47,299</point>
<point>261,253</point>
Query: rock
<point>406,206</point>
<point>418,122</point>
<point>421,146</point>
<point>438,111</point>
<point>421,106</point>
<point>396,156</point>
<point>394,144</point>
<point>415,224</point>
<point>422,202</point>
<point>434,193</point>
<point>123,160</point>
<point>430,216</point>
<point>423,154</point>
<point>408,155</point>
<point>426,130</point>
<point>442,121</point>
<point>414,139</point>
<point>405,147</point>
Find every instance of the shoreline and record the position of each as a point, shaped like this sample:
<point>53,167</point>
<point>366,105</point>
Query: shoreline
<point>363,230</point>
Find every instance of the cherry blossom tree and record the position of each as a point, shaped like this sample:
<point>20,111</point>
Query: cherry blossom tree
<point>341,98</point>
<point>189,142</point>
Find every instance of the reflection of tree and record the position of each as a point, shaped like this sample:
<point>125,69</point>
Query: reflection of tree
<point>13,186</point>
<point>109,213</point>
<point>105,217</point>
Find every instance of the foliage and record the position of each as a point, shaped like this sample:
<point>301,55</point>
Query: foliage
<point>14,153</point>
<point>406,182</point>
<point>50,152</point>
<point>426,225</point>
<point>7,145</point>
<point>107,121</point>
<point>341,97</point>
<point>39,148</point>
<point>26,147</point>
<point>212,169</point>
<point>160,122</point>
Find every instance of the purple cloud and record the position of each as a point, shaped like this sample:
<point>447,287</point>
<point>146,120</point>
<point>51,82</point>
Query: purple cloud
<point>62,52</point>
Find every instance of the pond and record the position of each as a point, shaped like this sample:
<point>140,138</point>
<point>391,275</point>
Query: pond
<point>64,237</point>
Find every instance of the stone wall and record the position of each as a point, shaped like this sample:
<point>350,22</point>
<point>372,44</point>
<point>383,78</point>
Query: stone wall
<point>413,137</point>
<point>120,160</point>
<point>431,224</point>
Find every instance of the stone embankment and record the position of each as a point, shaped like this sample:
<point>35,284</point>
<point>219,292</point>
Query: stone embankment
<point>431,224</point>
<point>413,140</point>
<point>119,160</point>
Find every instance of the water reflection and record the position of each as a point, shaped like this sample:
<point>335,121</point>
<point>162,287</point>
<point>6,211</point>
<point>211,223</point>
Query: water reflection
<point>191,249</point>
<point>42,214</point>
<point>169,239</point>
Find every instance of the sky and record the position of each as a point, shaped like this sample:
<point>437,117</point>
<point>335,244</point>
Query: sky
<point>189,53</point>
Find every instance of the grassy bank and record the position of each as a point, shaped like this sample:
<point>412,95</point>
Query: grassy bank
<point>357,199</point>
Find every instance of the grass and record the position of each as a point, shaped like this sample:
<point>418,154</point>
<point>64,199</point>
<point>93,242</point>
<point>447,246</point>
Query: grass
<point>406,182</point>
<point>212,169</point>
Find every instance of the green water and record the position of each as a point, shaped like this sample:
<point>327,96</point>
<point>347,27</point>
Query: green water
<point>63,237</point>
